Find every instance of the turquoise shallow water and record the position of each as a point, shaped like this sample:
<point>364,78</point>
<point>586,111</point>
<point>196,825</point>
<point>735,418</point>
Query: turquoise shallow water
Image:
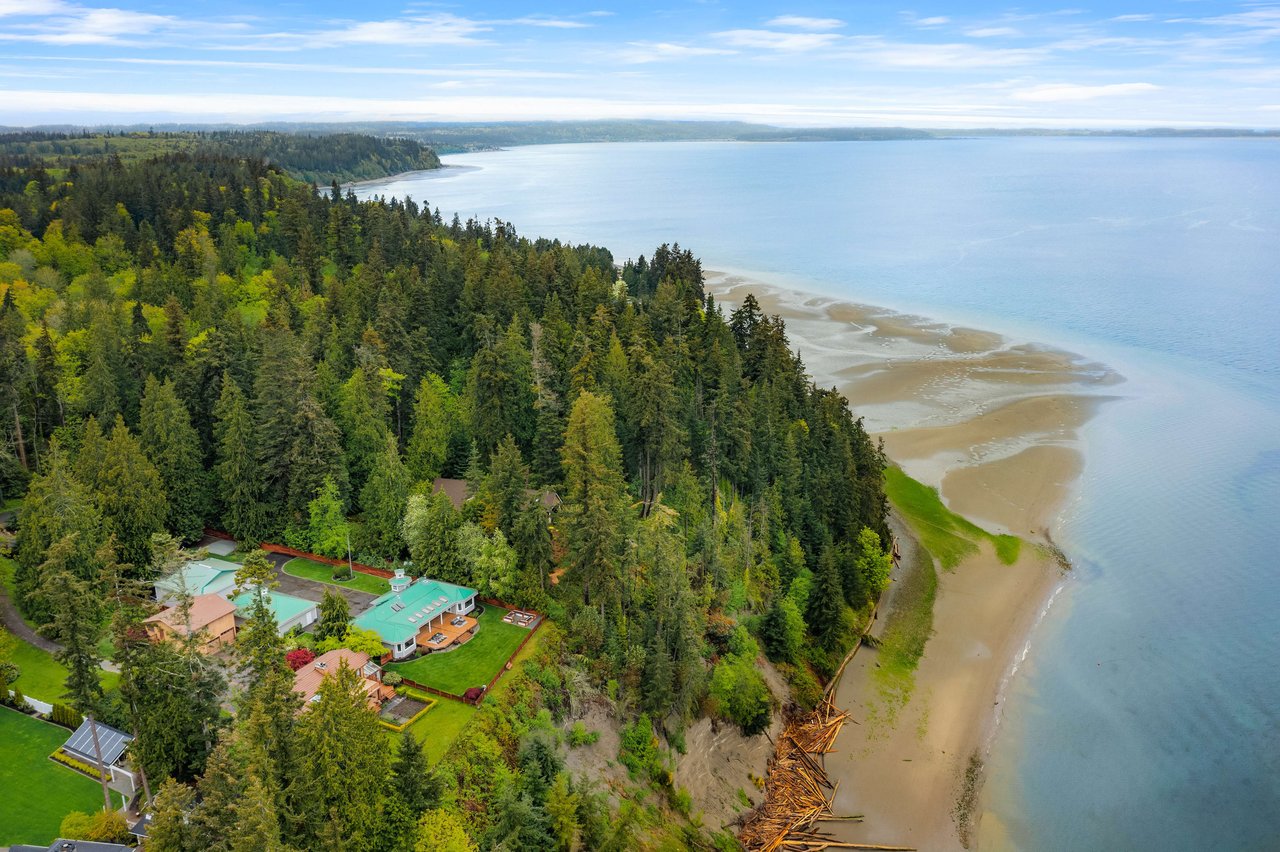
<point>1148,715</point>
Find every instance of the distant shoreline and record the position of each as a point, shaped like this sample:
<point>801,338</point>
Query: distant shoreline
<point>443,170</point>
<point>995,428</point>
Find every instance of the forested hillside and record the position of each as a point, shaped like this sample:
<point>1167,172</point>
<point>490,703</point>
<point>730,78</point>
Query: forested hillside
<point>200,340</point>
<point>314,158</point>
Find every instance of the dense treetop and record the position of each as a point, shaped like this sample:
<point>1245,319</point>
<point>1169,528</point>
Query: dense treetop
<point>321,159</point>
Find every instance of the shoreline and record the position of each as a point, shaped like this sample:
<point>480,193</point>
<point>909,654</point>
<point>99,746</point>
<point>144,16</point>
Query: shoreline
<point>994,425</point>
<point>425,174</point>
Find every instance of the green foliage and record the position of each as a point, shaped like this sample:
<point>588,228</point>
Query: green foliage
<point>431,532</point>
<point>355,639</point>
<point>741,694</point>
<point>101,827</point>
<point>237,483</point>
<point>384,498</point>
<point>65,716</point>
<point>783,630</point>
<point>329,533</point>
<point>638,750</point>
<point>172,445</point>
<point>436,423</point>
<point>335,616</point>
<point>488,560</point>
<point>443,830</point>
<point>580,736</point>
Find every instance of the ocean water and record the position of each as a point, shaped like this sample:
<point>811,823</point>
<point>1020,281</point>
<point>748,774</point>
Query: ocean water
<point>1148,713</point>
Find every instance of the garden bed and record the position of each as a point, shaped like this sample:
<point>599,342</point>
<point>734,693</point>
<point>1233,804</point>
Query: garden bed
<point>321,573</point>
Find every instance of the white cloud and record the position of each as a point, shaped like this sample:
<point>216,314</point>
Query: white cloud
<point>324,68</point>
<point>1125,19</point>
<point>799,22</point>
<point>991,32</point>
<point>540,21</point>
<point>62,23</point>
<point>418,31</point>
<point>31,8</point>
<point>889,54</point>
<point>1059,92</point>
<point>935,21</point>
<point>642,52</point>
<point>774,40</point>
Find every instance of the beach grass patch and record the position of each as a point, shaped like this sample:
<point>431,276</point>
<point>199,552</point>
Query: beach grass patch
<point>310,570</point>
<point>906,633</point>
<point>948,536</point>
<point>38,792</point>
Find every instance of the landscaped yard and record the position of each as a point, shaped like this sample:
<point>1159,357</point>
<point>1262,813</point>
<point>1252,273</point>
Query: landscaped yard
<point>318,571</point>
<point>473,664</point>
<point>43,677</point>
<point>38,793</point>
<point>439,727</point>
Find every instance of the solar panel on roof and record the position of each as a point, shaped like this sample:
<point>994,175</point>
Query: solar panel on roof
<point>396,607</point>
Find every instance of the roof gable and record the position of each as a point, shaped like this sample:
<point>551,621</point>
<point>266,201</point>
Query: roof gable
<point>397,617</point>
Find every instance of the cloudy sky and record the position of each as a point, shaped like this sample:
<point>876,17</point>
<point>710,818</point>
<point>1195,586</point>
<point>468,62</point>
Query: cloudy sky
<point>1117,63</point>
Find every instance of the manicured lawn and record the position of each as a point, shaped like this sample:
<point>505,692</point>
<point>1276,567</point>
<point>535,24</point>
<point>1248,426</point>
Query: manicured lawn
<point>473,664</point>
<point>38,793</point>
<point>322,573</point>
<point>438,727</point>
<point>43,677</point>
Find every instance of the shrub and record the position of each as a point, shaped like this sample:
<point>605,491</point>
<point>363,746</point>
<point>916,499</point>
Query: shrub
<point>639,751</point>
<point>17,700</point>
<point>101,827</point>
<point>805,689</point>
<point>580,736</point>
<point>79,766</point>
<point>9,672</point>
<point>65,716</point>
<point>741,695</point>
<point>300,658</point>
<point>392,678</point>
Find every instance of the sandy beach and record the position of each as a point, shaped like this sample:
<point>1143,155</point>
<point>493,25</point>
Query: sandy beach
<point>993,424</point>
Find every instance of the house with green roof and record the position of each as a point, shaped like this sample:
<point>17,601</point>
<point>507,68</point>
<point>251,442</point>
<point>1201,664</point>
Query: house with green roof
<point>207,577</point>
<point>412,613</point>
<point>289,611</point>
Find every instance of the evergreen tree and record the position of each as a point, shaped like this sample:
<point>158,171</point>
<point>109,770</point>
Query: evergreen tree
<point>826,601</point>
<point>327,526</point>
<point>315,455</point>
<point>506,488</point>
<point>57,508</point>
<point>441,830</point>
<point>593,515</point>
<point>435,422</point>
<point>75,623</point>
<point>384,498</point>
<point>335,616</point>
<point>431,531</point>
<point>172,445</point>
<point>169,830</point>
<point>236,473</point>
<point>341,780</point>
<point>131,497</point>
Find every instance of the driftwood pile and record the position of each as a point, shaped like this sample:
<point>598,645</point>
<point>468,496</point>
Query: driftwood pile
<point>796,790</point>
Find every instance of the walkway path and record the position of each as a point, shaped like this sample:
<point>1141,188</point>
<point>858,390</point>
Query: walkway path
<point>17,625</point>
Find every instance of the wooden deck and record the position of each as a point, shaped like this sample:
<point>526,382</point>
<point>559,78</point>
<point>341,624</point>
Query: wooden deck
<point>452,635</point>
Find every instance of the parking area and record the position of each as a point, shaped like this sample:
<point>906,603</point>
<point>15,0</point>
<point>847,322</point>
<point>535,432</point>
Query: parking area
<point>313,590</point>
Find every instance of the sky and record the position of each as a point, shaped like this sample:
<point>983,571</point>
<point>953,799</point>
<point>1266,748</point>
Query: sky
<point>1125,63</point>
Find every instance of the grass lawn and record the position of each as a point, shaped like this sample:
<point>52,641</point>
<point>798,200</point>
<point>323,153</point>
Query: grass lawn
<point>945,534</point>
<point>43,677</point>
<point>438,728</point>
<point>473,664</point>
<point>442,723</point>
<point>38,793</point>
<point>321,573</point>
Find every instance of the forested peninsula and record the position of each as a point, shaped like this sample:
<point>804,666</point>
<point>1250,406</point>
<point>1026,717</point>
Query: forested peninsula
<point>322,159</point>
<point>202,340</point>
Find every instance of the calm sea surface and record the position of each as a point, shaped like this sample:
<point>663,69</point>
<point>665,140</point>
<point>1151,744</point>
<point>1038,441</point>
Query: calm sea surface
<point>1148,716</point>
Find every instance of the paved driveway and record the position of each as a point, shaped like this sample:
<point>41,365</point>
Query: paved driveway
<point>314,591</point>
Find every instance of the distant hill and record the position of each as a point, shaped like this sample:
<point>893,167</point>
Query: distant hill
<point>324,158</point>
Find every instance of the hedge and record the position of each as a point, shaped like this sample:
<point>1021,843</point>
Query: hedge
<point>430,702</point>
<point>67,760</point>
